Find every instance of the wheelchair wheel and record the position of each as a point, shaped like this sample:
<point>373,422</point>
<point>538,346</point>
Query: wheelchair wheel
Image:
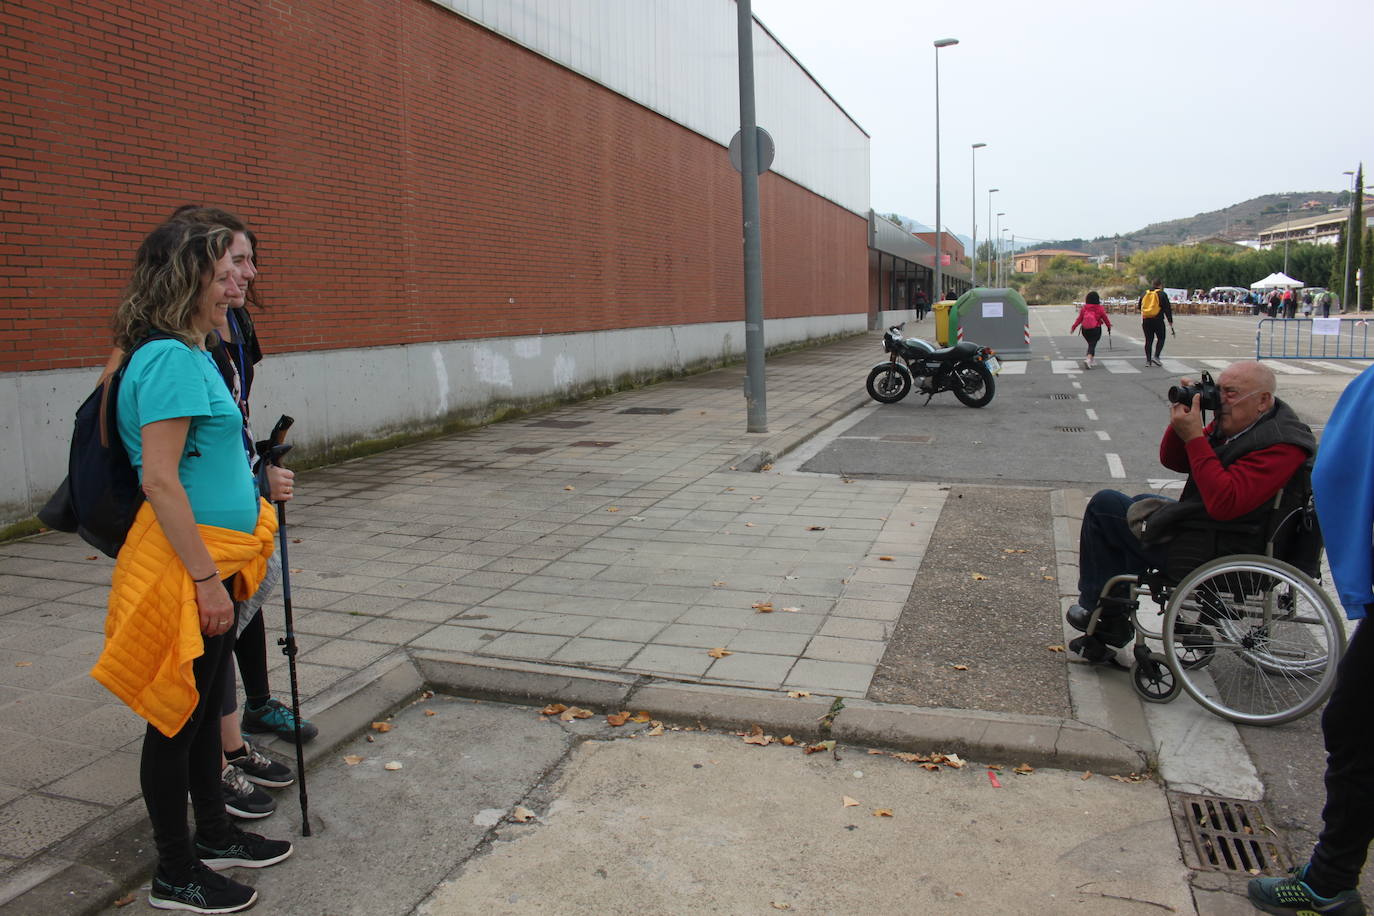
<point>1263,639</point>
<point>1152,677</point>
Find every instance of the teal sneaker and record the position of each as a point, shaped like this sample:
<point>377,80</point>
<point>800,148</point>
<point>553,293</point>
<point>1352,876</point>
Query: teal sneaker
<point>275,717</point>
<point>1292,896</point>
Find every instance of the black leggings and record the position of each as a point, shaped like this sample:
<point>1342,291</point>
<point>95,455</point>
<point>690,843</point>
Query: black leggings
<point>1154,330</point>
<point>188,761</point>
<point>1348,817</point>
<point>250,651</point>
<point>1092,336</point>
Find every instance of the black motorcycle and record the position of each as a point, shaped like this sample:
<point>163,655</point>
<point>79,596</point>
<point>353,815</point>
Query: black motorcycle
<point>965,368</point>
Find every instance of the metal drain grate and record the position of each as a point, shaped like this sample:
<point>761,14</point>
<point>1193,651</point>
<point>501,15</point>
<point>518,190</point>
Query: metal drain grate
<point>592,443</point>
<point>1070,429</point>
<point>527,449</point>
<point>1061,397</point>
<point>560,424</point>
<point>1229,835</point>
<point>650,410</point>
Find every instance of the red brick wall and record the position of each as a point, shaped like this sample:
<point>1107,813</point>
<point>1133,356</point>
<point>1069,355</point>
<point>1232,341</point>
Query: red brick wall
<point>409,174</point>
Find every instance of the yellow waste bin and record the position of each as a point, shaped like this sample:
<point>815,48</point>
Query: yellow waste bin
<point>942,321</point>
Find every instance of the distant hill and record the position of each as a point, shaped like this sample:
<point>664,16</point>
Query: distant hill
<point>1237,222</point>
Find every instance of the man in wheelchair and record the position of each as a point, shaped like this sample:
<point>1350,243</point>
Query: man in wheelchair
<point>1236,465</point>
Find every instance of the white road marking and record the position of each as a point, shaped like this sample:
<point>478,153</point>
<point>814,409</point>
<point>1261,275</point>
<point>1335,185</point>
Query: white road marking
<point>1014,368</point>
<point>1063,366</point>
<point>1120,367</point>
<point>1220,364</point>
<point>1283,367</point>
<point>1092,414</point>
<point>1104,435</point>
<point>1335,367</point>
<point>1178,368</point>
<point>1115,465</point>
<point>1082,396</point>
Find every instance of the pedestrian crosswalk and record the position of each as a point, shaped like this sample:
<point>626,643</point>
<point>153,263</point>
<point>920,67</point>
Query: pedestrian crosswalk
<point>1174,368</point>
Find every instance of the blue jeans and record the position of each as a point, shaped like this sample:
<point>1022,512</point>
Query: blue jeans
<point>1107,547</point>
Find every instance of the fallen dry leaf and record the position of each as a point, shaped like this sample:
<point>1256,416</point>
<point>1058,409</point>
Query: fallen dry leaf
<point>522,815</point>
<point>979,577</point>
<point>93,558</point>
<point>874,752</point>
<point>129,897</point>
<point>655,731</point>
<point>756,498</point>
<point>748,524</point>
<point>295,540</point>
<point>798,694</point>
<point>575,712</point>
<point>729,489</point>
<point>1055,648</point>
<point>717,584</point>
<point>1048,578</point>
<point>1024,769</point>
<point>353,759</point>
<point>822,746</point>
<point>959,667</point>
<point>882,812</point>
<point>849,802</point>
<point>815,527</point>
<point>1087,774</point>
<point>888,559</point>
<point>552,709</point>
<point>779,906</point>
<point>23,664</point>
<point>787,740</point>
<point>617,719</point>
<point>1013,550</point>
<point>393,765</point>
<point>612,508</point>
<point>568,488</point>
<point>933,767</point>
<point>429,712</point>
<point>952,760</point>
<point>756,736</point>
<point>640,716</point>
<point>763,607</point>
<point>719,653</point>
<point>766,467</point>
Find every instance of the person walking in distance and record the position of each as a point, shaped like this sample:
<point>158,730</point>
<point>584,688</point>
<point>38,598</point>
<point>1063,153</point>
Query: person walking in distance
<point>1154,311</point>
<point>1091,317</point>
<point>1343,487</point>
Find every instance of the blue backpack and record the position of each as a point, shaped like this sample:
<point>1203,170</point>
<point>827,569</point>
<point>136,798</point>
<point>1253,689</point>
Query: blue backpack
<point>101,494</point>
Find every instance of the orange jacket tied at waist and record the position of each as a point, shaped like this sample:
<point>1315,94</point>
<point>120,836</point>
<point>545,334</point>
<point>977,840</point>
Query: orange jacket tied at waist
<point>152,629</point>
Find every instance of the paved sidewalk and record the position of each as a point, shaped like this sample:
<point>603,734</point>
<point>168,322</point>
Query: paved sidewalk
<point>601,551</point>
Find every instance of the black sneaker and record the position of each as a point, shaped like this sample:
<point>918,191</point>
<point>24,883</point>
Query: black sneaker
<point>246,850</point>
<point>275,717</point>
<point>1292,895</point>
<point>242,798</point>
<point>260,769</point>
<point>201,891</point>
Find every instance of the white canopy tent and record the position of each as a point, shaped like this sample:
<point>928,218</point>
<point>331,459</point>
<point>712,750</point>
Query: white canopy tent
<point>1277,280</point>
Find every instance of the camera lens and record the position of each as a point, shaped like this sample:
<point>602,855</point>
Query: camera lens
<point>1180,395</point>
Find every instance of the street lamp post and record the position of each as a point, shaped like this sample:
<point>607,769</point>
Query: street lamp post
<point>1287,205</point>
<point>973,211</point>
<point>999,248</point>
<point>939,227</point>
<point>991,246</point>
<point>1349,231</point>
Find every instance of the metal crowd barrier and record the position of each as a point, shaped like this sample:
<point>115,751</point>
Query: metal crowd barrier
<point>1313,338</point>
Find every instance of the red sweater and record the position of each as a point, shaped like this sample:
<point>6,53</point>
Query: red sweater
<point>1230,492</point>
<point>1091,316</point>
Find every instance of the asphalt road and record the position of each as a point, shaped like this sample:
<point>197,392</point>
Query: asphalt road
<point>1053,426</point>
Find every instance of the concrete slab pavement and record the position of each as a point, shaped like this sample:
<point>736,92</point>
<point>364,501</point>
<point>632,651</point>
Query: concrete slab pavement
<point>610,553</point>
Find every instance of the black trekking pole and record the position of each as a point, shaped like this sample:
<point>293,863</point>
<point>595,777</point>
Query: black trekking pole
<point>272,451</point>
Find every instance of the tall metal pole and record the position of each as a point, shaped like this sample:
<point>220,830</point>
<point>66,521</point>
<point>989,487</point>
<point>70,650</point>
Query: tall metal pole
<point>939,226</point>
<point>1349,231</point>
<point>756,389</point>
<point>1286,206</point>
<point>973,211</point>
<point>992,247</point>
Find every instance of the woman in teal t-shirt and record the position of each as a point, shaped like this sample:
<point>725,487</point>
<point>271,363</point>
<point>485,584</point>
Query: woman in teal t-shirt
<point>182,431</point>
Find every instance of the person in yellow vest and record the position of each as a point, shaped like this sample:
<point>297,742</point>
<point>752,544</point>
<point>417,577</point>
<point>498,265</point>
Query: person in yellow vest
<point>201,541</point>
<point>1154,311</point>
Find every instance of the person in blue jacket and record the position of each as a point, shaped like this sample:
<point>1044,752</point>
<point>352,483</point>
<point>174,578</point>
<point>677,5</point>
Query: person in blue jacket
<point>1343,484</point>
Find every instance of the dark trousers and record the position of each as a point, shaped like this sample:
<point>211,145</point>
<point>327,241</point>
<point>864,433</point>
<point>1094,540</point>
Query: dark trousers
<point>1107,547</point>
<point>1154,331</point>
<point>188,761</point>
<point>1092,336</point>
<point>1348,818</point>
<point>250,651</point>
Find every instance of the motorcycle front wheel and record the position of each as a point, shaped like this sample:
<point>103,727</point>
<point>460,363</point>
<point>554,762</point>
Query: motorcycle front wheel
<point>974,385</point>
<point>888,384</point>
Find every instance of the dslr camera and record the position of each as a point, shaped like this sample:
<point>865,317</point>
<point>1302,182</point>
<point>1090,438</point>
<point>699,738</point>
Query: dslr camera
<point>1206,389</point>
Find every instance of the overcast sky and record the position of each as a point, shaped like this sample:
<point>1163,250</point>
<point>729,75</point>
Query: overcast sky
<point>1098,117</point>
